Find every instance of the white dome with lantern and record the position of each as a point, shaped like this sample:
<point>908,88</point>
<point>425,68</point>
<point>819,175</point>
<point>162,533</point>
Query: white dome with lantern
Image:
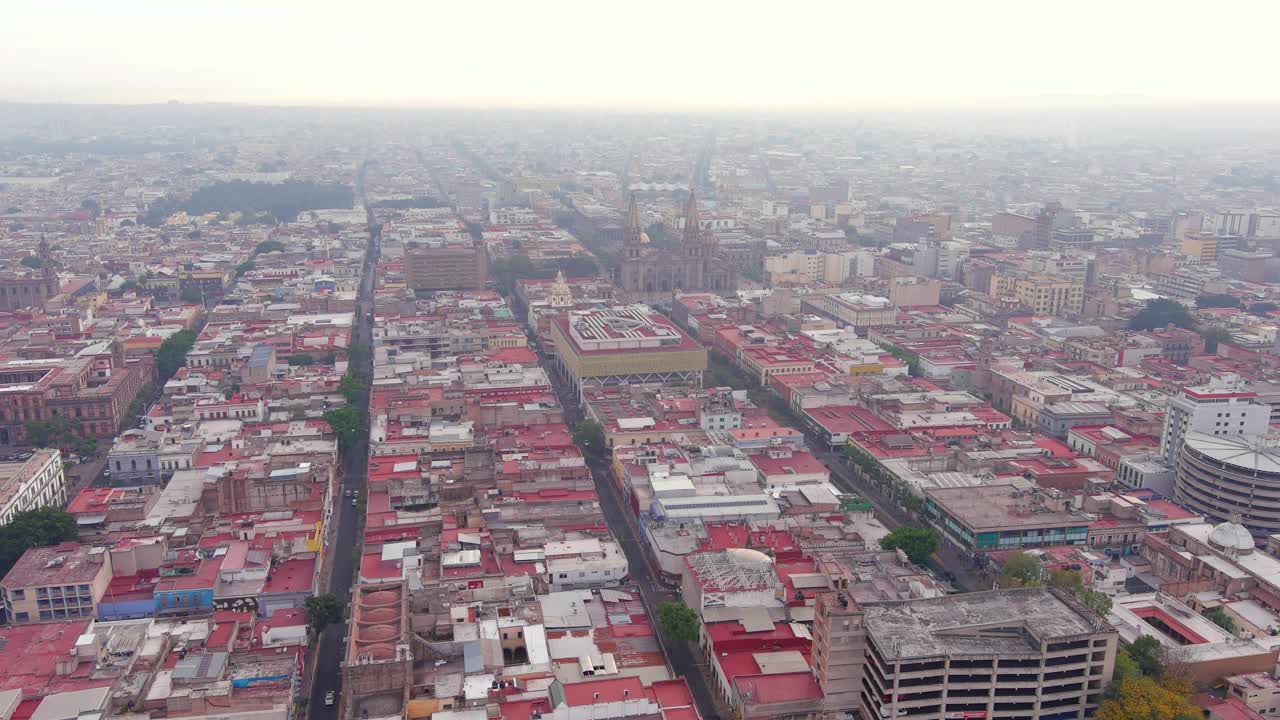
<point>1231,537</point>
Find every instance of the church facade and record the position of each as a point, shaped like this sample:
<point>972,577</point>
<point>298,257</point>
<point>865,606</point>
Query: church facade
<point>650,273</point>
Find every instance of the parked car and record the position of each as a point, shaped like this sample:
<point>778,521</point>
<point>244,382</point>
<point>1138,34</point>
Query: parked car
<point>329,698</point>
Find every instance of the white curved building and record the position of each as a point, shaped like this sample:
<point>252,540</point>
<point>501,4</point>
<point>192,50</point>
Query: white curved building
<point>1231,478</point>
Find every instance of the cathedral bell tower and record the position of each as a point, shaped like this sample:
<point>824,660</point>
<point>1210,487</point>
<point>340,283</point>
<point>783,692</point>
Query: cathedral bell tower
<point>47,273</point>
<point>632,239</point>
<point>692,240</point>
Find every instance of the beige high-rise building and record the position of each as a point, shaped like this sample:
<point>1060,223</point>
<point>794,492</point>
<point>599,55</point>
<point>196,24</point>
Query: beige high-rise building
<point>441,265</point>
<point>1041,294</point>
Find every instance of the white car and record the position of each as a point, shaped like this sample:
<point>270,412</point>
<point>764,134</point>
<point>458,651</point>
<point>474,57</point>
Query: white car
<point>329,698</point>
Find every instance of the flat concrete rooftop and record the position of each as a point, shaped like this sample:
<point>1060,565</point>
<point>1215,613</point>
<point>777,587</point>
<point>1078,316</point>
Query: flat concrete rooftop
<point>1002,623</point>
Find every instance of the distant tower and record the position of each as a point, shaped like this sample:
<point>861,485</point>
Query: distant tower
<point>694,249</point>
<point>692,241</point>
<point>46,268</point>
<point>632,233</point>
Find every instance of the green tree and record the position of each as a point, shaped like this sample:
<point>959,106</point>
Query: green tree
<point>589,435</point>
<point>297,411</point>
<point>92,206</point>
<point>1218,301</point>
<point>301,360</point>
<point>1213,336</point>
<point>323,610</point>
<point>1159,313</point>
<point>139,404</point>
<point>1263,308</point>
<point>348,425</point>
<point>510,269</point>
<point>60,431</point>
<point>173,353</point>
<point>192,295</point>
<point>33,528</point>
<point>32,261</point>
<point>1125,668</point>
<point>1073,582</point>
<point>1148,654</point>
<point>1022,570</point>
<point>268,246</point>
<point>1068,580</point>
<point>352,388</point>
<point>1219,617</point>
<point>917,543</point>
<point>679,622</point>
<point>1099,602</point>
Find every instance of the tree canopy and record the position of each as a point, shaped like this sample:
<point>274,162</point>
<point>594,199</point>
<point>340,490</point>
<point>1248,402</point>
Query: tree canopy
<point>1148,654</point>
<point>917,543</point>
<point>60,431</point>
<point>352,388</point>
<point>679,622</point>
<point>1071,581</point>
<point>282,200</point>
<point>173,353</point>
<point>323,610</point>
<point>589,435</point>
<point>33,528</point>
<point>268,246</point>
<point>1218,300</point>
<point>510,269</point>
<point>1214,335</point>
<point>348,425</point>
<point>32,261</point>
<point>1159,313</point>
<point>1149,698</point>
<point>1263,307</point>
<point>1022,570</point>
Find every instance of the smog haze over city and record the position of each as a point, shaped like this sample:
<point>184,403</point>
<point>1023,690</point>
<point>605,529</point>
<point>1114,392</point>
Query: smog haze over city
<point>662,361</point>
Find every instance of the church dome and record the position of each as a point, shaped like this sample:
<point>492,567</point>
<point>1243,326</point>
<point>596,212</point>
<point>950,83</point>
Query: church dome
<point>1231,536</point>
<point>747,555</point>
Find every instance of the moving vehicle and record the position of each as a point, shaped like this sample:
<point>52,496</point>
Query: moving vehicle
<point>329,698</point>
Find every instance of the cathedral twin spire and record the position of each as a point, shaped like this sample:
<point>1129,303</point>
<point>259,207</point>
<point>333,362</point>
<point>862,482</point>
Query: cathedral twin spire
<point>693,235</point>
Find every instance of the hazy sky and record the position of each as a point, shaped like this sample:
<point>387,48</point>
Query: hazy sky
<point>778,54</point>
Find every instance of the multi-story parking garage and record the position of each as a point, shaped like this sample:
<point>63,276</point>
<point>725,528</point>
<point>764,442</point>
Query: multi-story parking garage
<point>1224,477</point>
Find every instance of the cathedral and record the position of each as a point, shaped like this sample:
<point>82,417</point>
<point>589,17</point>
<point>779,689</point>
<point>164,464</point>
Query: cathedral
<point>650,273</point>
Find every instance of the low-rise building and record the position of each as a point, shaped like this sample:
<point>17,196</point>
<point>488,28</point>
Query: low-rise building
<point>59,582</point>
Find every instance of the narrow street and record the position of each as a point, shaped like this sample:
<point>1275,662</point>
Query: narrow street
<point>343,534</point>
<point>850,479</point>
<point>654,591</point>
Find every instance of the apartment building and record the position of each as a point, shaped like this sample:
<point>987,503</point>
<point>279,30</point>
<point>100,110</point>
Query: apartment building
<point>1024,652</point>
<point>1041,294</point>
<point>1222,408</point>
<point>37,482</point>
<point>60,582</point>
